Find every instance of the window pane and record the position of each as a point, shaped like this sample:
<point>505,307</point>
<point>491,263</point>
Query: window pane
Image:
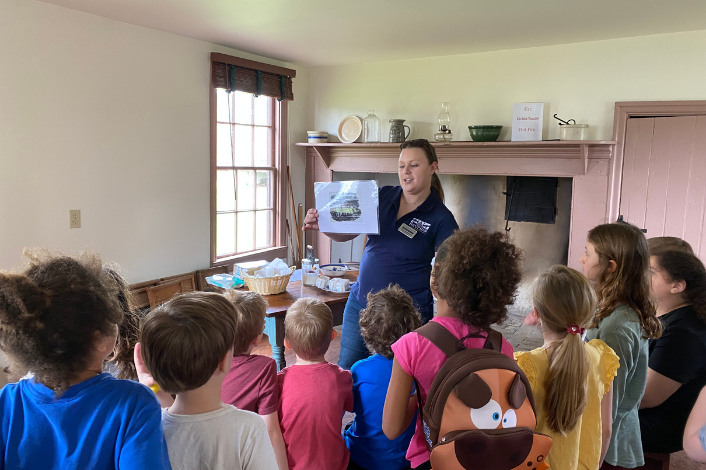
<point>223,152</point>
<point>263,106</point>
<point>264,233</point>
<point>225,234</point>
<point>263,190</point>
<point>246,231</point>
<point>221,105</point>
<point>242,107</point>
<point>263,146</point>
<point>225,190</point>
<point>243,145</point>
<point>246,190</point>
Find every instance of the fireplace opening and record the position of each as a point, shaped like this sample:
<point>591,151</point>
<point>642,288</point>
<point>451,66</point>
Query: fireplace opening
<point>481,199</point>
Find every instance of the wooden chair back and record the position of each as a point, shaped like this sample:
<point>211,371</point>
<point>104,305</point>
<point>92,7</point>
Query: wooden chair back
<point>202,274</point>
<point>162,292</point>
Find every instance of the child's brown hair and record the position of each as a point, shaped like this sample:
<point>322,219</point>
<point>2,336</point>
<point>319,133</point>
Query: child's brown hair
<point>477,273</point>
<point>250,308</point>
<point>629,283</point>
<point>123,356</point>
<point>184,340</point>
<point>307,327</point>
<point>658,245</point>
<point>563,297</point>
<point>51,312</point>
<point>389,315</point>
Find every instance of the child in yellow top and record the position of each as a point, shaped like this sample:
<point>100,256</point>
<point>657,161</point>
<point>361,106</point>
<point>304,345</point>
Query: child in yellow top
<point>571,380</point>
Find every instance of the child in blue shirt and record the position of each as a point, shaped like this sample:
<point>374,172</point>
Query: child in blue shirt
<point>58,320</point>
<point>389,315</point>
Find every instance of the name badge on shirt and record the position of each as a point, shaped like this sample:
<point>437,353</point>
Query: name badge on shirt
<point>407,231</point>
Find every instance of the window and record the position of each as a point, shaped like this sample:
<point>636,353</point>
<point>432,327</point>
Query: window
<point>246,173</point>
<point>248,155</point>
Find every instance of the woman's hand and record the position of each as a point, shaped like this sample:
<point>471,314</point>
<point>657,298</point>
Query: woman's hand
<point>311,221</point>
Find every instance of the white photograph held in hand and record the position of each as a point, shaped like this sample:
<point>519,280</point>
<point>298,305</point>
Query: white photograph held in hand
<point>348,206</point>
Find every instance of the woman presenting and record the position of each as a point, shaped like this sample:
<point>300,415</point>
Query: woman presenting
<point>413,223</point>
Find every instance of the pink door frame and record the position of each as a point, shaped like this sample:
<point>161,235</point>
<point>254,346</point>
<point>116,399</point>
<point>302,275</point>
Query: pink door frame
<point>625,110</point>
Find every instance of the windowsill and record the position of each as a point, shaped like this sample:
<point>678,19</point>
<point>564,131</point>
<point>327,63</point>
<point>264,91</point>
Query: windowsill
<point>268,254</point>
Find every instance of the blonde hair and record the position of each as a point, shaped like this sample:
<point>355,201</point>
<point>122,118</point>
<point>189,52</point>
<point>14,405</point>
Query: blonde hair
<point>308,327</point>
<point>564,297</point>
<point>250,309</point>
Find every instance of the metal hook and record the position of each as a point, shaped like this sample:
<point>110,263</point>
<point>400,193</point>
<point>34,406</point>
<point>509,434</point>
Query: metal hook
<point>561,121</point>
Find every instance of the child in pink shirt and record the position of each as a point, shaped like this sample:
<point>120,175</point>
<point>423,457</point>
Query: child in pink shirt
<point>314,393</point>
<point>251,383</point>
<point>474,279</point>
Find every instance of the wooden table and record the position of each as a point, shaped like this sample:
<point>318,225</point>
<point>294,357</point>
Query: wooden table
<point>279,303</point>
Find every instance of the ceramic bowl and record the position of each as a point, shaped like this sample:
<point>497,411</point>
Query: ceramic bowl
<point>485,133</point>
<point>333,270</point>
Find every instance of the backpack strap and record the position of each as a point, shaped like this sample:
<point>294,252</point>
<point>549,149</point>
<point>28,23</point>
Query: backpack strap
<point>450,345</point>
<point>441,338</point>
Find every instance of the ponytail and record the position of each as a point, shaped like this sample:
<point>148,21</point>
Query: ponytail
<point>565,302</point>
<point>566,384</point>
<point>436,187</point>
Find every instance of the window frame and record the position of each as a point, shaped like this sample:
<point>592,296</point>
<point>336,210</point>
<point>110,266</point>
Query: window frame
<point>279,246</point>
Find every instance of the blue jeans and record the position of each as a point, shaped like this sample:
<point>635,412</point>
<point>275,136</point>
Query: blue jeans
<point>352,345</point>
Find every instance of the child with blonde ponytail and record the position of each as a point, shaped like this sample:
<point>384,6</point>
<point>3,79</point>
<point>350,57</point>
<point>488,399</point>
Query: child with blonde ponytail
<point>571,380</point>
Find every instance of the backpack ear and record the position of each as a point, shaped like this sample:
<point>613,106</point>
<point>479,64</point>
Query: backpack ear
<point>518,393</point>
<point>473,391</point>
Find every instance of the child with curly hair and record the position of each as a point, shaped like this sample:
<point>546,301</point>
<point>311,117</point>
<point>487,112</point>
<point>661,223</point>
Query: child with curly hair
<point>388,315</point>
<point>58,320</point>
<point>121,363</point>
<point>617,264</point>
<point>571,380</point>
<point>475,277</point>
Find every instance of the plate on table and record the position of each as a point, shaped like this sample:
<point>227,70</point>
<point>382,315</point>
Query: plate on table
<point>349,129</point>
<point>326,289</point>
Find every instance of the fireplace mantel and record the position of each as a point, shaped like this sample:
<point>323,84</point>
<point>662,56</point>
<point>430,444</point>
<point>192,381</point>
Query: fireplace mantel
<point>587,162</point>
<point>543,158</point>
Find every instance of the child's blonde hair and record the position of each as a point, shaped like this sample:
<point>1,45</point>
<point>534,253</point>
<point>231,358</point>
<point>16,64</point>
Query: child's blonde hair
<point>250,309</point>
<point>564,298</point>
<point>629,284</point>
<point>308,326</point>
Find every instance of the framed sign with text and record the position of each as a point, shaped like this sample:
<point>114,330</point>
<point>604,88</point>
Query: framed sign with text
<point>527,121</point>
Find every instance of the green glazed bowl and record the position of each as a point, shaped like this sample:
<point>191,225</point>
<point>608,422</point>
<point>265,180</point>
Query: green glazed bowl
<point>484,133</point>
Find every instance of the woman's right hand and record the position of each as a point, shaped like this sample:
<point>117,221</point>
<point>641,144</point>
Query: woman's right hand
<point>311,221</point>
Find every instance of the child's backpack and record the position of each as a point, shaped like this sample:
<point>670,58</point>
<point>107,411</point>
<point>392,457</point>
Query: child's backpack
<point>479,413</point>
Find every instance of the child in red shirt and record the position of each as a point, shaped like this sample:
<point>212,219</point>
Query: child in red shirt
<point>314,393</point>
<point>251,383</point>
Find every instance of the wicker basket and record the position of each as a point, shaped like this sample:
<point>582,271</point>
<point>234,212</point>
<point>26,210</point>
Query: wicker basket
<point>267,285</point>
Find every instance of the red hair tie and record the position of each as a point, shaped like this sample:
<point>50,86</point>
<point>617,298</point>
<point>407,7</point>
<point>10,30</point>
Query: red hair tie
<point>575,330</point>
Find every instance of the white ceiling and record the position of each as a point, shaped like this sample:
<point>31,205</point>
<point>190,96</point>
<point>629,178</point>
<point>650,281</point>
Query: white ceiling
<point>325,32</point>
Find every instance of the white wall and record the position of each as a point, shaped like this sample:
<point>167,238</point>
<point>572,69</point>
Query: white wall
<point>580,81</point>
<point>111,119</point>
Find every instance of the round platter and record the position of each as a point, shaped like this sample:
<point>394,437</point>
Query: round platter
<point>349,129</point>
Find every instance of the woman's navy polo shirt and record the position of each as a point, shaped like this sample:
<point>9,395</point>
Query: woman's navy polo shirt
<point>392,257</point>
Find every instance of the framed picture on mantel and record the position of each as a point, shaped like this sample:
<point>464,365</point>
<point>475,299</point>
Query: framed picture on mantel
<point>527,119</point>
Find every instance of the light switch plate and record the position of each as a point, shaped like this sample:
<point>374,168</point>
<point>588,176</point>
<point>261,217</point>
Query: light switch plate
<point>75,218</point>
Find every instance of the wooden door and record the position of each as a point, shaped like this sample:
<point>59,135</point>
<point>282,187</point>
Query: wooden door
<point>664,178</point>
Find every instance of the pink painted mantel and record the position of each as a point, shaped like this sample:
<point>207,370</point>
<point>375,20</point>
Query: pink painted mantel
<point>587,162</point>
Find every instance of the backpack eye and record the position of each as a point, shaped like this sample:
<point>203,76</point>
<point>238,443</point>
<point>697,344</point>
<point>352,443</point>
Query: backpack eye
<point>487,417</point>
<point>510,419</point>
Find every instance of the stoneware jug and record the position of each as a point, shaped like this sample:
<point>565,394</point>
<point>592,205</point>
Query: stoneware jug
<point>397,130</point>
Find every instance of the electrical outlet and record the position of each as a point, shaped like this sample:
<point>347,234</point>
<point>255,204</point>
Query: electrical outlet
<point>75,219</point>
